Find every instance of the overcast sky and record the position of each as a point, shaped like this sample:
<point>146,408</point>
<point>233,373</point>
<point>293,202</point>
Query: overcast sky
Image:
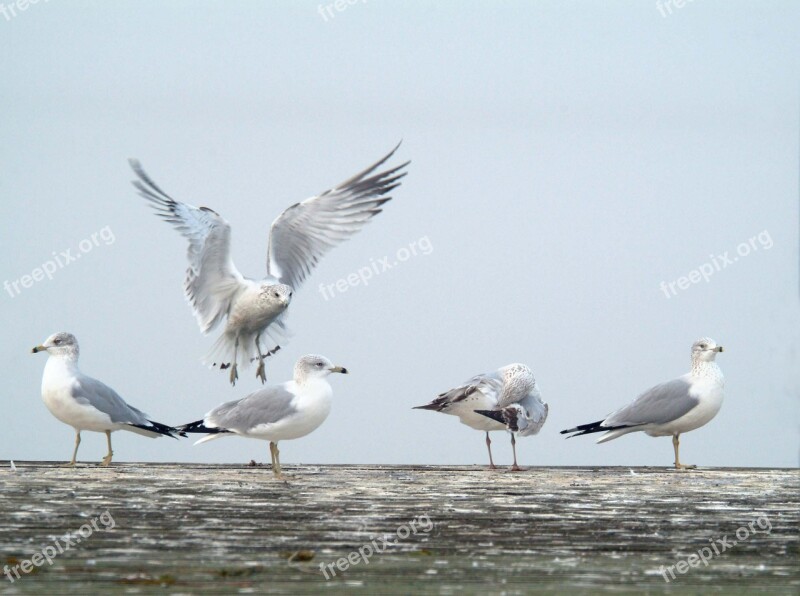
<point>570,161</point>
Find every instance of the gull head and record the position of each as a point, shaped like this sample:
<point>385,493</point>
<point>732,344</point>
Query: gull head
<point>59,344</point>
<point>705,349</point>
<point>278,294</point>
<point>312,366</point>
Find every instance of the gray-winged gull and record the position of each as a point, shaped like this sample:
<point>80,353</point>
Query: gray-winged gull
<point>298,238</point>
<point>671,408</point>
<point>275,413</point>
<point>85,403</point>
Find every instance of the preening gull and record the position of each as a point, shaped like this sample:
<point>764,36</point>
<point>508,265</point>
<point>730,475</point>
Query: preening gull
<point>504,399</point>
<point>85,403</point>
<point>275,413</point>
<point>671,408</point>
<point>298,238</point>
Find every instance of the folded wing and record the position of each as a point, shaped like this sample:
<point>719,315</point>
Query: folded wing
<point>266,406</point>
<point>661,404</point>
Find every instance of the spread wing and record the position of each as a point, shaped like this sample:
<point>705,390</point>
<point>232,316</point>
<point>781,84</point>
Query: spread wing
<point>307,230</point>
<point>212,279</point>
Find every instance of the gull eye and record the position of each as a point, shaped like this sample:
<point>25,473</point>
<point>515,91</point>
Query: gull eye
<point>703,346</point>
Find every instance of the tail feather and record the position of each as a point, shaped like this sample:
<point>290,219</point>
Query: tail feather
<point>433,406</point>
<point>224,349</point>
<point>161,429</point>
<point>208,438</point>
<point>591,427</point>
<point>223,352</point>
<point>199,426</point>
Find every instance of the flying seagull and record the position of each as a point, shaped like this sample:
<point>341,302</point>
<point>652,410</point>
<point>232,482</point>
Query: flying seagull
<point>504,399</point>
<point>85,403</point>
<point>299,237</point>
<point>275,413</point>
<point>671,408</point>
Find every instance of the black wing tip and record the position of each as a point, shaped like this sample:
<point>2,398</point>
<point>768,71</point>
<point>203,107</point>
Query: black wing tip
<point>591,427</point>
<point>198,426</point>
<point>435,407</point>
<point>162,429</point>
<point>493,414</point>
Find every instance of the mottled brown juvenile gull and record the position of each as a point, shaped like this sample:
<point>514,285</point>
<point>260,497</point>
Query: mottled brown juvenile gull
<point>504,399</point>
<point>299,237</point>
<point>85,403</point>
<point>671,408</point>
<point>275,413</point>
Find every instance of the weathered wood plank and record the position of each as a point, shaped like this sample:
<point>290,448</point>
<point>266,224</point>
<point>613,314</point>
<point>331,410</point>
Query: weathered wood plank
<point>227,529</point>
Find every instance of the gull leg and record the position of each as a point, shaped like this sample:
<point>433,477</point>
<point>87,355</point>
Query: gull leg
<point>107,458</point>
<point>515,467</point>
<point>276,459</point>
<point>260,371</point>
<point>75,453</point>
<point>489,447</point>
<point>234,372</point>
<point>676,443</point>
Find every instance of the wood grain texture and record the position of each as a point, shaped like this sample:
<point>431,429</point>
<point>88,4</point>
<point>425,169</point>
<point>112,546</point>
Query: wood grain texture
<point>192,529</point>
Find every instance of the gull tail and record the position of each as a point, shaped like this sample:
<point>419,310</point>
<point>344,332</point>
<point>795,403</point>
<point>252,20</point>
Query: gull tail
<point>597,427</point>
<point>434,406</point>
<point>224,352</point>
<point>199,426</point>
<point>155,429</point>
<point>437,405</point>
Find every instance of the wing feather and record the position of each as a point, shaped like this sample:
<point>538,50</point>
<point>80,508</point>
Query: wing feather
<point>94,393</point>
<point>660,404</point>
<point>212,279</point>
<point>266,406</point>
<point>304,232</point>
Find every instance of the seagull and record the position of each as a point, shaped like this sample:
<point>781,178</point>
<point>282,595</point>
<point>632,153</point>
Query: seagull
<point>504,399</point>
<point>85,403</point>
<point>671,408</point>
<point>275,413</point>
<point>299,237</point>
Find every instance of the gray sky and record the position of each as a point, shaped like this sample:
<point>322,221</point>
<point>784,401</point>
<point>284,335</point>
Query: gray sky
<point>568,158</point>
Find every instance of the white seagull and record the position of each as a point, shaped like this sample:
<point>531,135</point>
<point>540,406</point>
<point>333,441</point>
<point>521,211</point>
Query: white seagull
<point>671,408</point>
<point>504,399</point>
<point>85,403</point>
<point>276,413</point>
<point>298,238</point>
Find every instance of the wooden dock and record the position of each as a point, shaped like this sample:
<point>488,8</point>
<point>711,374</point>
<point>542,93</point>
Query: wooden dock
<point>195,529</point>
